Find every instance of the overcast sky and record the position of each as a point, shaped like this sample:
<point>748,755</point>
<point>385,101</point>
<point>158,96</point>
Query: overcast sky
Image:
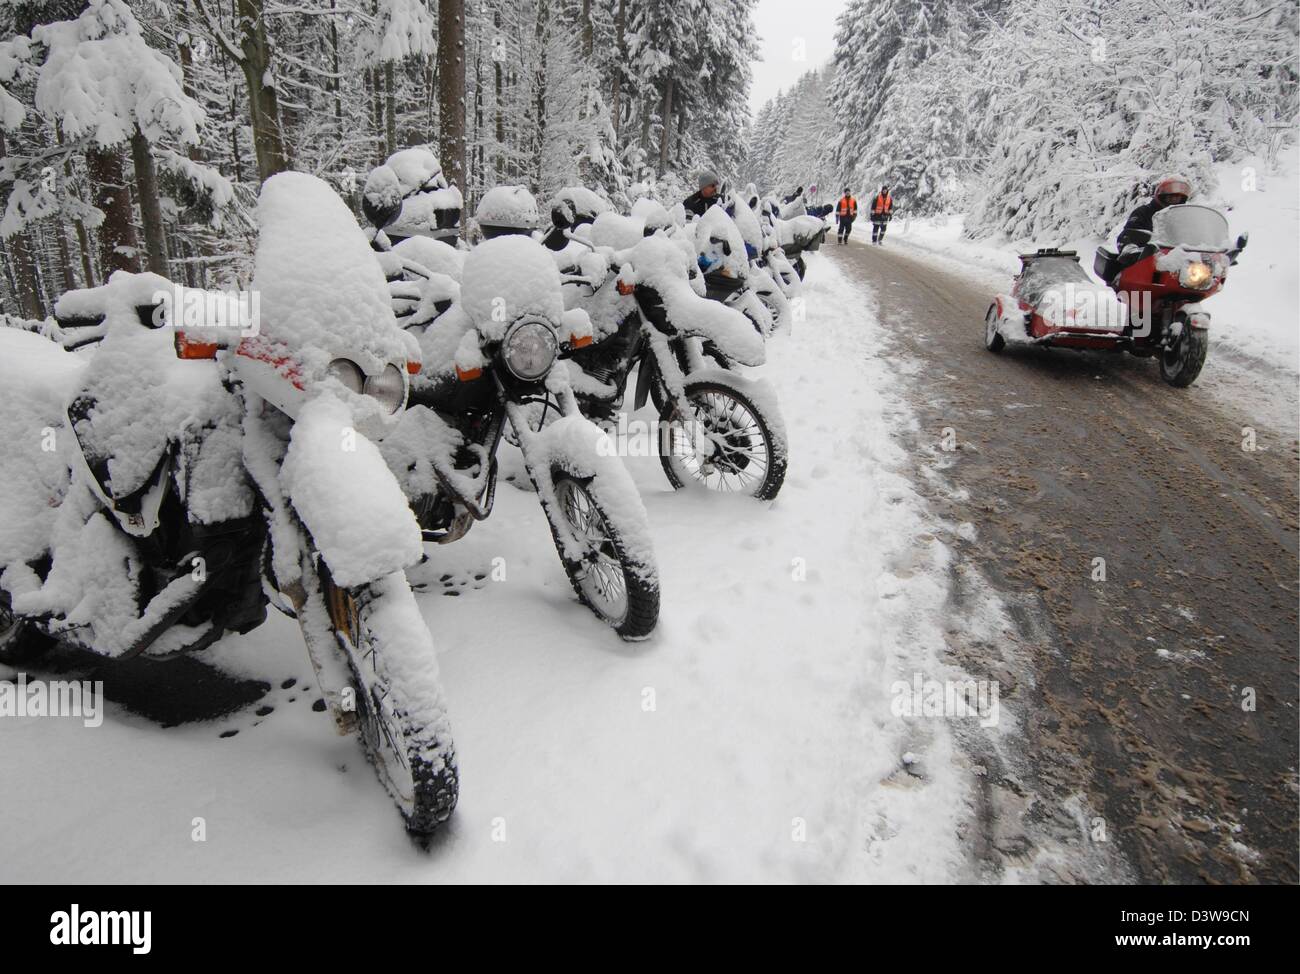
<point>789,29</point>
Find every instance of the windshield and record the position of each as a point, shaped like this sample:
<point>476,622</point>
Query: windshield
<point>1194,227</point>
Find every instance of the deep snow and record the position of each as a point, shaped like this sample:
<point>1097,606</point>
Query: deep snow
<point>750,739</point>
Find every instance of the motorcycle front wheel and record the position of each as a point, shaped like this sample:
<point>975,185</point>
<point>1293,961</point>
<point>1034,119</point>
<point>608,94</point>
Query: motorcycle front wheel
<point>1181,364</point>
<point>620,588</point>
<point>728,443</point>
<point>398,703</point>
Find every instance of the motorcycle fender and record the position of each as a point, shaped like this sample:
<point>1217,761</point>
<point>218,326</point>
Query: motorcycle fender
<point>1196,318</point>
<point>645,374</point>
<point>346,496</point>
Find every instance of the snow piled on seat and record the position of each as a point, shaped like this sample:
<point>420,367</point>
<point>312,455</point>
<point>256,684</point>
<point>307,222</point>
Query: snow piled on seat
<point>435,255</point>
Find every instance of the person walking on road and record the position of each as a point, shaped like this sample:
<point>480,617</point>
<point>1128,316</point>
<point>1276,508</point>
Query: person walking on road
<point>846,211</point>
<point>882,207</point>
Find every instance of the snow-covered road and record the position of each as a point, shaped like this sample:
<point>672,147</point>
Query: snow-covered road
<point>750,739</point>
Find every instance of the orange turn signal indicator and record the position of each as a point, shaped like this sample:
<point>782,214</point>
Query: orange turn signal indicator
<point>188,348</point>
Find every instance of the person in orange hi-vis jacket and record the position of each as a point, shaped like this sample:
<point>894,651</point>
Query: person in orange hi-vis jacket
<point>846,211</point>
<point>882,207</point>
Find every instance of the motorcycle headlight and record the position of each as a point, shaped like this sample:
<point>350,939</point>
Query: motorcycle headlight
<point>387,387</point>
<point>1197,274</point>
<point>529,349</point>
<point>349,373</point>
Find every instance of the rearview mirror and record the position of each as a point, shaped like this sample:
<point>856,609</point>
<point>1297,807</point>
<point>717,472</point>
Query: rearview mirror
<point>1242,241</point>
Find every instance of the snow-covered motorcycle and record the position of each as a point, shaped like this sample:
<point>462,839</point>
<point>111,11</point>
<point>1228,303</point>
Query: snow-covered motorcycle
<point>763,276</point>
<point>488,365</point>
<point>717,428</point>
<point>408,197</point>
<point>795,235</point>
<point>164,486</point>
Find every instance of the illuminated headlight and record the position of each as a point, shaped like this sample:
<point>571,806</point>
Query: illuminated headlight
<point>387,387</point>
<point>529,349</point>
<point>349,373</point>
<point>1197,274</point>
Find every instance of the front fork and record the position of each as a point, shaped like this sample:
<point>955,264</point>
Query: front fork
<point>676,359</point>
<point>1182,320</point>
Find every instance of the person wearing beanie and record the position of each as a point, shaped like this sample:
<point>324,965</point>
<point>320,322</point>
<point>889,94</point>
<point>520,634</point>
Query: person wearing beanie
<point>705,196</point>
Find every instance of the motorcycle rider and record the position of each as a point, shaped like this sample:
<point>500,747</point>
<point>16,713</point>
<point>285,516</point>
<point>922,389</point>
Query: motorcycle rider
<point>1169,191</point>
<point>846,211</point>
<point>705,196</point>
<point>882,207</point>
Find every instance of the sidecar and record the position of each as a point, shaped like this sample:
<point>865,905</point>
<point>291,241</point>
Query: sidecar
<point>1054,302</point>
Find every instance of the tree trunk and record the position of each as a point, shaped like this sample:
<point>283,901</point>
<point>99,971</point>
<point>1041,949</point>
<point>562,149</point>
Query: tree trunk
<point>478,112</point>
<point>646,115</point>
<point>451,90</point>
<point>146,186</point>
<point>65,173</point>
<point>390,110</point>
<point>588,37</point>
<point>118,246</point>
<point>542,37</point>
<point>498,55</point>
<point>620,28</point>
<point>336,81</point>
<point>24,268</point>
<point>263,99</point>
<point>666,124</point>
<point>677,143</point>
<point>87,261</point>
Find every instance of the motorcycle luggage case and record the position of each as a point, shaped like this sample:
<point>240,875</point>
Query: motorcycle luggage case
<point>815,242</point>
<point>719,288</point>
<point>1103,264</point>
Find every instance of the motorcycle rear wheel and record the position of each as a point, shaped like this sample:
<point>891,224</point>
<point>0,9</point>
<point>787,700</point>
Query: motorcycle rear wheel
<point>607,579</point>
<point>1180,365</point>
<point>993,339</point>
